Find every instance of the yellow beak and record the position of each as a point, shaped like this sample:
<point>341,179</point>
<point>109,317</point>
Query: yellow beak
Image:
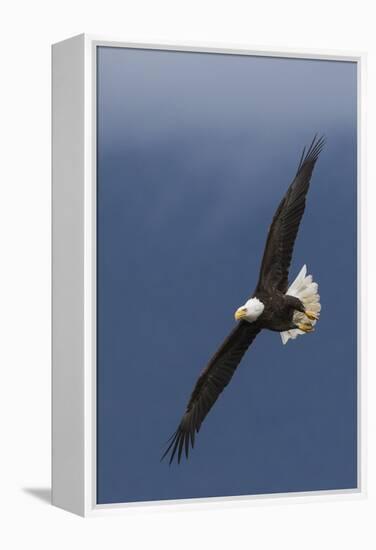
<point>240,313</point>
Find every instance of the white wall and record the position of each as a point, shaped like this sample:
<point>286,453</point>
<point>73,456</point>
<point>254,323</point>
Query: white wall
<point>27,30</point>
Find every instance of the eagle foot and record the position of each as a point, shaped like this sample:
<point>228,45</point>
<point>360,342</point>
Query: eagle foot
<point>312,315</point>
<point>305,327</point>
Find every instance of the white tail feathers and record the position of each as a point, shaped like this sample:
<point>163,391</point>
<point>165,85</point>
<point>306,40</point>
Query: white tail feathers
<point>307,291</point>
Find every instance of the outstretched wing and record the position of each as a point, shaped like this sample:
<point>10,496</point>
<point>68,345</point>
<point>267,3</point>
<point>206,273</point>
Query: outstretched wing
<point>210,384</point>
<point>284,228</point>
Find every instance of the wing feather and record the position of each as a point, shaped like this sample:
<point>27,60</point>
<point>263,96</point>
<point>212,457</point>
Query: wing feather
<point>209,386</point>
<point>284,227</point>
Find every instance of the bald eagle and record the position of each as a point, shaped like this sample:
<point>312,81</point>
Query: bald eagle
<point>274,305</point>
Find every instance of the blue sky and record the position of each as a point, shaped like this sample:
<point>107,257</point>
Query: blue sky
<point>194,154</point>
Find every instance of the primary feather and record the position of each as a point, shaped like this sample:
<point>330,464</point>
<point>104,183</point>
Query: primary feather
<point>209,386</point>
<point>280,242</point>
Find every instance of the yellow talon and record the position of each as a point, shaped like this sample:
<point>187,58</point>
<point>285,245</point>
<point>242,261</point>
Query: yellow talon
<point>305,327</point>
<point>312,315</point>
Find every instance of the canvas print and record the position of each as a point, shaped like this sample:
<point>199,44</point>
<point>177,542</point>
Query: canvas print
<point>226,275</point>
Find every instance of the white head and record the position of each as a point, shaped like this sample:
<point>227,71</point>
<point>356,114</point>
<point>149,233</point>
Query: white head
<point>251,310</point>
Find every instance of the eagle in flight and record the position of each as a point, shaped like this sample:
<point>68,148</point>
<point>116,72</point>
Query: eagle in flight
<point>274,305</point>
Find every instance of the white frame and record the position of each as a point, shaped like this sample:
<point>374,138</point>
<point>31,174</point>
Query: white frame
<point>74,277</point>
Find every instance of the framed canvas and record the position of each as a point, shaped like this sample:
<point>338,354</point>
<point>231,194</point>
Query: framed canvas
<point>193,184</point>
